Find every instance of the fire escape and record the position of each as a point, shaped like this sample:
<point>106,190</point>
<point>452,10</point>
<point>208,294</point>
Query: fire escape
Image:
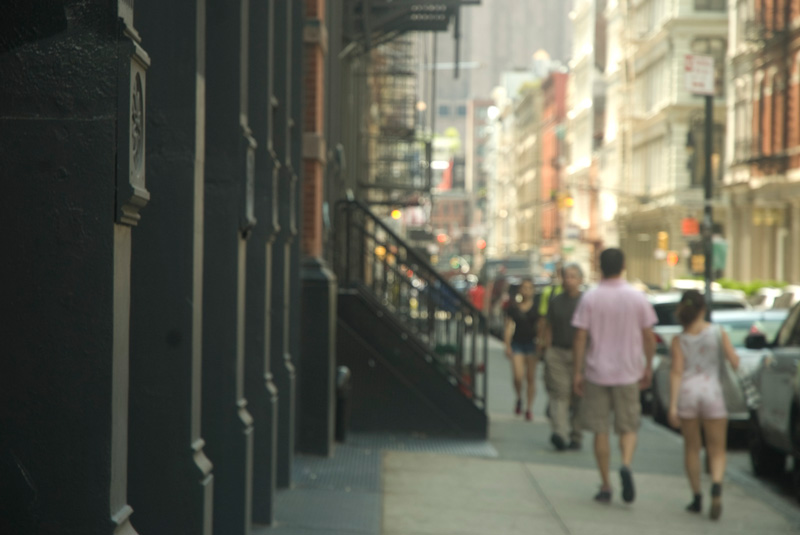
<point>391,155</point>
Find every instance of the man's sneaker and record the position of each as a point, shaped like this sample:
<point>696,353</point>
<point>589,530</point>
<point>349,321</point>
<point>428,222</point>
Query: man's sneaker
<point>558,442</point>
<point>628,491</point>
<point>574,445</point>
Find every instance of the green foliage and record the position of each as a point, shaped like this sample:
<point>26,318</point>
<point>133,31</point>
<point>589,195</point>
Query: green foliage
<point>750,287</point>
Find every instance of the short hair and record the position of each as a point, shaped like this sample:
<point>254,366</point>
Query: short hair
<point>612,262</point>
<point>575,267</point>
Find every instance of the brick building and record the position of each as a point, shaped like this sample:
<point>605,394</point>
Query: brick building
<point>554,158</point>
<point>763,152</point>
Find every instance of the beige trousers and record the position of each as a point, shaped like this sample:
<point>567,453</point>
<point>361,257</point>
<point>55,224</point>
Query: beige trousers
<point>564,404</point>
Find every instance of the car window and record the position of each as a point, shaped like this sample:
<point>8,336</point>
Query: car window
<point>737,331</point>
<point>788,335</point>
<point>768,327</point>
<point>666,311</point>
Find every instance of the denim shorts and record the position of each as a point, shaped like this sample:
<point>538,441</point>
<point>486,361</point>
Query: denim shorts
<point>523,348</point>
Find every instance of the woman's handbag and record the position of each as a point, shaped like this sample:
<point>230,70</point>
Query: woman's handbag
<point>732,389</point>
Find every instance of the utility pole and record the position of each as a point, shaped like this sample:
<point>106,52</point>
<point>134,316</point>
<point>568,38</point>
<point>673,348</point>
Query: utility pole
<point>699,72</point>
<point>708,221</point>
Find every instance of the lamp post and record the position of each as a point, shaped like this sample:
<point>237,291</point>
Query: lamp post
<point>708,223</point>
<point>700,80</point>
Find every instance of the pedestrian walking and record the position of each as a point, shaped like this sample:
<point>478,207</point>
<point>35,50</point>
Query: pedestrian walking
<point>559,337</point>
<point>520,340</point>
<point>548,294</point>
<point>477,295</point>
<point>696,400</point>
<point>616,321</point>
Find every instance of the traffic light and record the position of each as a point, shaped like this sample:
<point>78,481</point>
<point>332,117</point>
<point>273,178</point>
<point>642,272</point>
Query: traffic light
<point>396,214</point>
<point>481,244</point>
<point>663,240</point>
<point>672,258</point>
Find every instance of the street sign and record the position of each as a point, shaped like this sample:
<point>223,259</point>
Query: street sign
<point>699,74</point>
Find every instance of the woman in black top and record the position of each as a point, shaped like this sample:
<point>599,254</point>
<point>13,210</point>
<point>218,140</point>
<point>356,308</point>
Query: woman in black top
<point>520,339</point>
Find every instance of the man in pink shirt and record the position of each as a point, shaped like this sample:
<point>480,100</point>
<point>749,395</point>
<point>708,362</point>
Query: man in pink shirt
<point>617,321</point>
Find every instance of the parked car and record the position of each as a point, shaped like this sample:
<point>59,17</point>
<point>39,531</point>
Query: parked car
<point>665,305</point>
<point>774,432</point>
<point>764,298</point>
<point>789,297</point>
<point>739,324</point>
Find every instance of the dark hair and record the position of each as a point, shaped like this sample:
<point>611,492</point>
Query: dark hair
<point>612,261</point>
<point>692,304</point>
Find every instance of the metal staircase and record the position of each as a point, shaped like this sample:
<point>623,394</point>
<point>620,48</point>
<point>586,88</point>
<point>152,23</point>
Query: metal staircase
<point>417,347</point>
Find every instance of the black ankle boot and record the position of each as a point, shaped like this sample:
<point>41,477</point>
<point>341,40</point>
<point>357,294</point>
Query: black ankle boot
<point>716,501</point>
<point>697,504</point>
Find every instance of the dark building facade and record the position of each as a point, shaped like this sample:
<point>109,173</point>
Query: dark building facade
<point>167,166</point>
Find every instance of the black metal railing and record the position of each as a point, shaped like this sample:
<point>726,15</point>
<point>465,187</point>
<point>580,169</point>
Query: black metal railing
<point>370,255</point>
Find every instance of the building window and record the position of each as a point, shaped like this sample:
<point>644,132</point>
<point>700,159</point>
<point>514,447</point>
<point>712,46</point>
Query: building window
<point>778,111</point>
<point>716,48</point>
<point>743,122</point>
<point>762,114</point>
<point>710,5</point>
<point>461,111</point>
<point>444,110</point>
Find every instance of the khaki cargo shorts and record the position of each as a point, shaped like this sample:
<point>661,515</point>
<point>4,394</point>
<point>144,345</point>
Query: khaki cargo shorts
<point>600,401</point>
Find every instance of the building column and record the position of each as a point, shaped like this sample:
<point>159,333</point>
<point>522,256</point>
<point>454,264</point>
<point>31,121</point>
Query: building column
<point>732,238</point>
<point>229,218</point>
<point>72,142</point>
<point>283,370</point>
<point>794,241</point>
<point>316,396</point>
<point>170,483</point>
<point>746,227</point>
<point>261,392</point>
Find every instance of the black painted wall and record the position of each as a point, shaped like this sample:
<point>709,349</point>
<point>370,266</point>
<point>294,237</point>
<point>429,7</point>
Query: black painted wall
<point>226,422</point>
<point>261,393</point>
<point>63,375</point>
<point>170,483</point>
<point>280,357</point>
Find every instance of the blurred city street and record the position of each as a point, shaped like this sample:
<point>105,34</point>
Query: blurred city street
<point>518,483</point>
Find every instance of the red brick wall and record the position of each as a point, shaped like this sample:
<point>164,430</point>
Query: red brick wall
<point>313,113</point>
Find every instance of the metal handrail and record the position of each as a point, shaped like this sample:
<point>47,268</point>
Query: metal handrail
<point>420,298</point>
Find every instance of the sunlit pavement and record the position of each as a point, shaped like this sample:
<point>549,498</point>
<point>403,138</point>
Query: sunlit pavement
<point>530,488</point>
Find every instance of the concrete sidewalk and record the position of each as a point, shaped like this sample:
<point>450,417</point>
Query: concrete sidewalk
<point>531,488</point>
<point>434,494</point>
<point>514,483</point>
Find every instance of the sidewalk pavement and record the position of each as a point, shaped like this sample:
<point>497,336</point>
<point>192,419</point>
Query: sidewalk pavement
<point>531,488</point>
<point>516,483</point>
